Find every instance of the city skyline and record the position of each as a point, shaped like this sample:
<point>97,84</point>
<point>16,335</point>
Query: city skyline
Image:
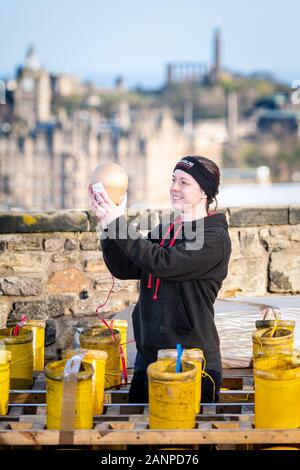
<point>112,39</point>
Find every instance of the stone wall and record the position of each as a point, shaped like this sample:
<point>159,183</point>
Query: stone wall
<point>51,266</point>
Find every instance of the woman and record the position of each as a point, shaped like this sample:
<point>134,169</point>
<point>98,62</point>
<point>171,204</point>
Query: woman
<point>181,268</point>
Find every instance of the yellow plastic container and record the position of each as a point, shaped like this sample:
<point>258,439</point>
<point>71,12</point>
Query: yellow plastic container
<point>266,324</point>
<point>98,360</point>
<point>122,326</point>
<point>172,395</point>
<point>277,391</point>
<point>281,448</point>
<point>54,373</point>
<point>21,357</point>
<point>5,360</point>
<point>273,338</point>
<point>196,356</point>
<point>38,342</point>
<point>99,338</point>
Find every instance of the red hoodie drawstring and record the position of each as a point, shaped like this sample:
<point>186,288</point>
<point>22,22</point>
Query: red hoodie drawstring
<point>149,285</point>
<point>155,296</point>
<point>175,235</point>
<point>158,281</point>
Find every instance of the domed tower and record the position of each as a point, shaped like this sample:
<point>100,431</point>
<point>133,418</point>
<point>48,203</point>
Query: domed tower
<point>32,97</point>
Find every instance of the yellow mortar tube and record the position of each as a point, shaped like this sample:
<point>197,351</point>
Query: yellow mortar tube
<point>98,360</point>
<point>54,373</point>
<point>172,395</point>
<point>21,373</point>
<point>99,338</point>
<point>5,360</point>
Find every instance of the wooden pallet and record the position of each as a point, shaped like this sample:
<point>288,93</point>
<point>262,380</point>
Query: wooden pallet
<point>123,423</point>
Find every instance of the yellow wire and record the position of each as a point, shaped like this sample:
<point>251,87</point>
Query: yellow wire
<point>204,363</point>
<point>274,328</point>
<point>245,399</point>
<point>205,374</point>
<point>259,341</point>
<point>23,360</point>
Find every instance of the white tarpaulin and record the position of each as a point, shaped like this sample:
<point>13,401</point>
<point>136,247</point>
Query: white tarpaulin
<point>235,323</point>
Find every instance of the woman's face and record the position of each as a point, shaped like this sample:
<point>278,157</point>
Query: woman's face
<point>185,192</point>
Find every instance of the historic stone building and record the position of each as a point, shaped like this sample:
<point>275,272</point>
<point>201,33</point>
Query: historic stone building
<point>46,159</point>
<point>32,97</point>
<point>50,167</point>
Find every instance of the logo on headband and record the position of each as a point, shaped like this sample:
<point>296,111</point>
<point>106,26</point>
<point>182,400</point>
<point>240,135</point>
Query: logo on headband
<point>185,163</point>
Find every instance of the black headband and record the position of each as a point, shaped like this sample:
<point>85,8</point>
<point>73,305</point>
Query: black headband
<point>206,179</point>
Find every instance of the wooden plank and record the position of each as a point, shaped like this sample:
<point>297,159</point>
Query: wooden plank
<point>116,397</point>
<point>204,425</point>
<point>233,379</point>
<point>233,383</point>
<point>40,397</point>
<point>36,398</point>
<point>15,397</point>
<point>38,421</point>
<point>237,396</point>
<point>225,425</point>
<point>38,384</point>
<point>155,437</point>
<point>121,425</point>
<point>20,425</point>
<point>143,417</point>
<point>228,423</point>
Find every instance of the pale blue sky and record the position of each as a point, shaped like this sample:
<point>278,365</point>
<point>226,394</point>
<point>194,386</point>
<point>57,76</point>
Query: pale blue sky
<point>136,38</point>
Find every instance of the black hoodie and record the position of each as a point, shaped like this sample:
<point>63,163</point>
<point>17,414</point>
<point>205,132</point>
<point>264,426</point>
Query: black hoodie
<point>178,307</point>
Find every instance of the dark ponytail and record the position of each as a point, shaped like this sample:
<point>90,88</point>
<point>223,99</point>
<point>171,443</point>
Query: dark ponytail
<point>214,169</point>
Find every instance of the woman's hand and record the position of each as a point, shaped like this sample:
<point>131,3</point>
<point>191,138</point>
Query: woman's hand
<point>106,210</point>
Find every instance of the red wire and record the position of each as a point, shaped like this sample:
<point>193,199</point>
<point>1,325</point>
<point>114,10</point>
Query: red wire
<point>124,369</point>
<point>16,329</point>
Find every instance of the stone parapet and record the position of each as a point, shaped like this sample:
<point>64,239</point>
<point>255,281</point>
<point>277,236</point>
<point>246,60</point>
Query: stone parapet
<point>51,264</point>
